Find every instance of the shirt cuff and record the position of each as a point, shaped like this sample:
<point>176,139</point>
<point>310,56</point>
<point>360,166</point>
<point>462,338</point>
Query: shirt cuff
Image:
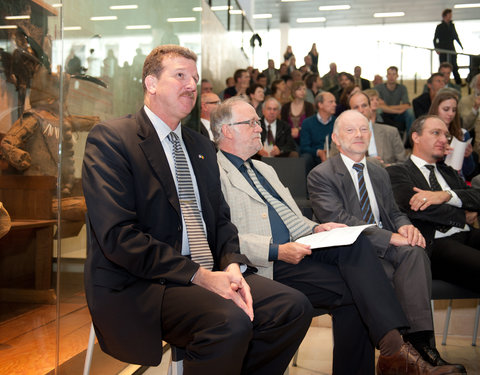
<point>273,252</point>
<point>455,200</point>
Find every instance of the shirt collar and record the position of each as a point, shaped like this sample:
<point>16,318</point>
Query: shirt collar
<point>420,162</point>
<point>349,162</point>
<point>162,129</point>
<point>321,121</point>
<point>234,159</point>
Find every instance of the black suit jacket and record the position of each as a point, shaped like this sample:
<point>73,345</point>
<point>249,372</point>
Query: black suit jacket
<point>283,137</point>
<point>135,247</point>
<point>421,104</point>
<point>405,176</point>
<point>365,83</point>
<point>445,35</point>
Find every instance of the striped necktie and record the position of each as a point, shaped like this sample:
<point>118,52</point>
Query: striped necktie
<point>295,225</point>
<point>199,249</point>
<point>367,214</point>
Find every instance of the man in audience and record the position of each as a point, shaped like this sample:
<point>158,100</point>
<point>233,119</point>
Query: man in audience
<point>308,67</point>
<point>314,84</point>
<point>347,280</point>
<point>394,99</point>
<point>445,69</point>
<point>205,86</point>
<point>229,82</point>
<point>315,136</point>
<point>242,82</point>
<point>165,261</point>
<point>363,83</point>
<point>330,80</point>
<point>262,80</point>
<point>209,102</point>
<point>469,110</point>
<point>440,204</point>
<point>422,103</point>
<point>271,72</point>
<point>277,137</point>
<point>445,35</point>
<point>385,147</point>
<point>348,189</point>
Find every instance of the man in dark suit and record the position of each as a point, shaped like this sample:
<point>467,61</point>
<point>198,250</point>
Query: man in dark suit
<point>349,281</point>
<point>164,260</point>
<point>276,134</point>
<point>445,35</point>
<point>363,83</point>
<point>440,204</point>
<point>422,103</point>
<point>350,190</point>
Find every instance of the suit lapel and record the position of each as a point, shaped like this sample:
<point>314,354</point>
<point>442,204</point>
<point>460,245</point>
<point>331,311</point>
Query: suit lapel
<point>417,175</point>
<point>153,150</point>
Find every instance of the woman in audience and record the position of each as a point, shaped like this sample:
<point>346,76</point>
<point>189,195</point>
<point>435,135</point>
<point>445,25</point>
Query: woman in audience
<point>445,105</point>
<point>279,88</point>
<point>342,104</point>
<point>297,110</point>
<point>256,95</point>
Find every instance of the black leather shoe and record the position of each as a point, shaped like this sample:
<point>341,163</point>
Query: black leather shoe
<point>432,356</point>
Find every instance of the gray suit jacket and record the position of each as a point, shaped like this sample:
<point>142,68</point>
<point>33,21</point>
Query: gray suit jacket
<point>250,213</point>
<point>334,198</point>
<point>389,145</point>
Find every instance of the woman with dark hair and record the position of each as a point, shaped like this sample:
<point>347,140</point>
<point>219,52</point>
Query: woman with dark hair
<point>256,95</point>
<point>347,88</point>
<point>279,91</point>
<point>445,105</point>
<point>297,110</point>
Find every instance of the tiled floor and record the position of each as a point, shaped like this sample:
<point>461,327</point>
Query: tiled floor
<point>315,354</point>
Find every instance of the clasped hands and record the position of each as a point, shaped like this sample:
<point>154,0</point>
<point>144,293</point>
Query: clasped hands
<point>228,284</point>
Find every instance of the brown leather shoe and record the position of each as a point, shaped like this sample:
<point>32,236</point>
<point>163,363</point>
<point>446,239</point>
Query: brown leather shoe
<point>408,361</point>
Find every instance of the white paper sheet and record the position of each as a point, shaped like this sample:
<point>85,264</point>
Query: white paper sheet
<point>335,237</point>
<point>455,159</point>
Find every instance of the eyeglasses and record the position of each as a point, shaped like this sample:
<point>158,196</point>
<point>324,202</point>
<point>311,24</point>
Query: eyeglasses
<point>438,133</point>
<point>216,103</point>
<point>251,122</point>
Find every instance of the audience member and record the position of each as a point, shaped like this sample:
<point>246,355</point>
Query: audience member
<point>394,99</point>
<point>205,86</point>
<point>209,101</point>
<point>308,67</point>
<point>256,95</point>
<point>377,79</point>
<point>469,110</point>
<point>344,80</point>
<point>271,73</point>
<point>330,80</point>
<point>313,53</point>
<point>297,110</point>
<point>279,88</point>
<point>242,82</point>
<point>445,106</point>
<point>422,103</point>
<point>385,146</point>
<point>142,191</point>
<point>262,80</point>
<point>276,134</point>
<point>316,134</point>
<point>283,70</point>
<point>229,82</point>
<point>445,35</point>
<point>363,83</point>
<point>288,54</point>
<point>348,281</point>
<point>440,204</point>
<point>445,69</point>
<point>350,190</point>
<point>314,84</point>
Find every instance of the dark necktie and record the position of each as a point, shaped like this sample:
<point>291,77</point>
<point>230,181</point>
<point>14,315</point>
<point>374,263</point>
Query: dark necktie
<point>432,179</point>
<point>294,224</point>
<point>199,248</point>
<point>367,214</point>
<point>435,186</point>
<point>270,139</point>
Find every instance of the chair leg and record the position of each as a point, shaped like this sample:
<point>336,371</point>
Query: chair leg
<point>475,324</point>
<point>89,355</point>
<point>447,322</point>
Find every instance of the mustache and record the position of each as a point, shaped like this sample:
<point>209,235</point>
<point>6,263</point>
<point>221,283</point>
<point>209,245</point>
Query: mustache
<point>188,94</point>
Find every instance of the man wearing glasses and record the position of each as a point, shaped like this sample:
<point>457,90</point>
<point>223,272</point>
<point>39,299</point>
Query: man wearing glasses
<point>440,204</point>
<point>349,281</point>
<point>209,102</point>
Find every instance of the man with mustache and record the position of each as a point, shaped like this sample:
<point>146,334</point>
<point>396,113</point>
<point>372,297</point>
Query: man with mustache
<point>164,260</point>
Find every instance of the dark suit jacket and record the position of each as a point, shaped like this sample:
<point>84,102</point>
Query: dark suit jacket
<point>136,240</point>
<point>334,198</point>
<point>445,34</point>
<point>283,137</point>
<point>365,83</point>
<point>406,176</point>
<point>421,104</point>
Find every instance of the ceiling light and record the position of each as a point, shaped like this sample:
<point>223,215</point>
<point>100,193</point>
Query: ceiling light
<point>104,18</point>
<point>25,17</point>
<point>72,28</point>
<point>8,27</point>
<point>311,19</point>
<point>220,7</point>
<point>138,27</point>
<point>197,9</point>
<point>236,11</point>
<point>334,7</point>
<point>388,14</point>
<point>182,19</point>
<point>292,1</point>
<point>123,7</point>
<point>463,6</point>
<point>262,16</point>
<point>57,5</point>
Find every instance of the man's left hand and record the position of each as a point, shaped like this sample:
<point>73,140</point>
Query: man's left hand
<point>413,235</point>
<point>327,226</point>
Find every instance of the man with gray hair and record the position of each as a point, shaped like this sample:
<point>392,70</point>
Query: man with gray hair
<point>469,110</point>
<point>348,280</point>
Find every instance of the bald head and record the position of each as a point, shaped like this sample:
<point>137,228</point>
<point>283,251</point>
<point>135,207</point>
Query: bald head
<point>351,134</point>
